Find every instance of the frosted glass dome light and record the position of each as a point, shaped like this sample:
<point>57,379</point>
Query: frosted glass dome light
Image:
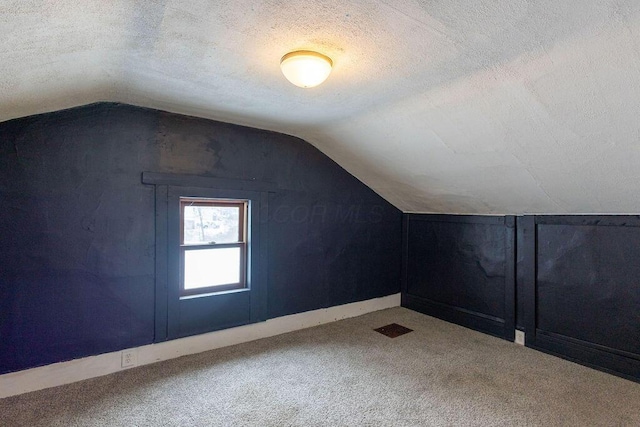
<point>305,68</point>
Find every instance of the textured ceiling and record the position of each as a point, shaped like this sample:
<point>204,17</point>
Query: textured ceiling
<point>474,106</point>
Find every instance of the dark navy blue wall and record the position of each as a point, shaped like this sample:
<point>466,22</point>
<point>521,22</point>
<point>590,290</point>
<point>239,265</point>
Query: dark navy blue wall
<point>577,281</point>
<point>580,289</point>
<point>77,225</point>
<point>461,268</point>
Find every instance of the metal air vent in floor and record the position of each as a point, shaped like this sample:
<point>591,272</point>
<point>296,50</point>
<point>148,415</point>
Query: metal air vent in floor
<point>393,330</point>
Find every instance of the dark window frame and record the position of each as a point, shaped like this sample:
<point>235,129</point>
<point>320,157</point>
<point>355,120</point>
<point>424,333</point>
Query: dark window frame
<point>222,309</point>
<point>242,243</point>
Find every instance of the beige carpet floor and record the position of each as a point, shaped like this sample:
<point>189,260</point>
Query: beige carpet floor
<point>345,374</point>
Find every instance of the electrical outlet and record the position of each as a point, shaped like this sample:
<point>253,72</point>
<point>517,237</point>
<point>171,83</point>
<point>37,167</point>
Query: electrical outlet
<point>519,337</point>
<point>129,358</point>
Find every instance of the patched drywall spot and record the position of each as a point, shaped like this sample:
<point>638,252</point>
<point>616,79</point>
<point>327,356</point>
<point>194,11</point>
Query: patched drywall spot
<point>176,152</point>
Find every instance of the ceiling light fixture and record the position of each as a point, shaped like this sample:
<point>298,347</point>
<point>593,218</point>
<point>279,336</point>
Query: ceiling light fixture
<point>305,68</point>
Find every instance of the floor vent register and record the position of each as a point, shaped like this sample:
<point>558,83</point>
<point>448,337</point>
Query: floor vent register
<point>393,330</point>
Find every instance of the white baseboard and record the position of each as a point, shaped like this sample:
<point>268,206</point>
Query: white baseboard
<point>95,366</point>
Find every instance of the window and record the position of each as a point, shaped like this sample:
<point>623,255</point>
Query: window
<point>223,246</point>
<point>213,245</point>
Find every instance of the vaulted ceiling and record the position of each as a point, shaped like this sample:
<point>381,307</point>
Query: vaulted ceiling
<point>475,106</point>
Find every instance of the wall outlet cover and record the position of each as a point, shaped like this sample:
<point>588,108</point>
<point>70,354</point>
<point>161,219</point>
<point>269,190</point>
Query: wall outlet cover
<point>519,337</point>
<point>129,358</point>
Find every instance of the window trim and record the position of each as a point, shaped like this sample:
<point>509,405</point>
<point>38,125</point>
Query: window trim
<point>243,231</point>
<point>170,308</point>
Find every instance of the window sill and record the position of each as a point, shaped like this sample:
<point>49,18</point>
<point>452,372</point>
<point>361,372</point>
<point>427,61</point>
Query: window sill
<point>208,294</point>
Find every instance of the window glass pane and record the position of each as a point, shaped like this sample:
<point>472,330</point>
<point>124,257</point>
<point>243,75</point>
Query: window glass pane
<point>211,267</point>
<point>211,224</point>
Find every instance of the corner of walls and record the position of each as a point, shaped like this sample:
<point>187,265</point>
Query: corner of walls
<point>566,281</point>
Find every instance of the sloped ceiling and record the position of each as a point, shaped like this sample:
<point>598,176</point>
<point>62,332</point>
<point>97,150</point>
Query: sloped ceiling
<point>475,106</point>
